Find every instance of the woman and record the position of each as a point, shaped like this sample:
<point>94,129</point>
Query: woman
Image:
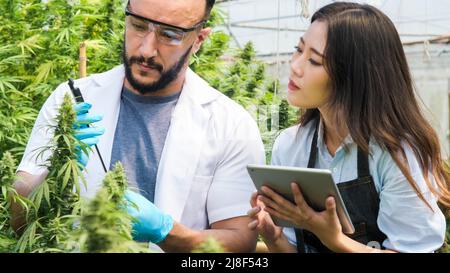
<point>362,121</point>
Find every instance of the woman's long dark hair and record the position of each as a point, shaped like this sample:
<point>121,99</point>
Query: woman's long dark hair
<point>372,92</point>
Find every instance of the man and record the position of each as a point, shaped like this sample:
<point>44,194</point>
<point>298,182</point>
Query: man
<point>184,145</point>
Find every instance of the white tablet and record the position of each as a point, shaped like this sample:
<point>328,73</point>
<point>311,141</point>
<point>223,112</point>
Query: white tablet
<point>316,186</point>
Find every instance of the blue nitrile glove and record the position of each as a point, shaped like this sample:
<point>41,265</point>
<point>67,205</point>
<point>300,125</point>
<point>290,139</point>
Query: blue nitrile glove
<point>88,135</point>
<point>150,224</point>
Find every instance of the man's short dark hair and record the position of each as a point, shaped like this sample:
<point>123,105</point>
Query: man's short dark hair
<point>209,6</point>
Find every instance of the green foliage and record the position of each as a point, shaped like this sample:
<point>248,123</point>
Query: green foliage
<point>208,62</point>
<point>244,78</point>
<point>105,224</point>
<point>40,43</point>
<point>241,76</point>
<point>8,194</point>
<point>116,184</point>
<point>210,245</point>
<point>288,115</point>
<point>7,178</point>
<point>55,203</point>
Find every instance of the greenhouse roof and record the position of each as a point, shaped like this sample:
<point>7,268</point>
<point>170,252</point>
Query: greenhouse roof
<point>275,26</point>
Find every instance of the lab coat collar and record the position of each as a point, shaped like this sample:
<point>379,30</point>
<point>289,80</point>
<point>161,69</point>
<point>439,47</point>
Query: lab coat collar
<point>104,95</point>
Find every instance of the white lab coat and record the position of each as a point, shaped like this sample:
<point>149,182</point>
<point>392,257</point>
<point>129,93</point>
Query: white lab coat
<point>202,176</point>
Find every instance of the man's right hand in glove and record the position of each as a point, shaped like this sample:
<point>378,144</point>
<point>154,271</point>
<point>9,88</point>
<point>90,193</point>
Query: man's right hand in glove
<point>88,135</point>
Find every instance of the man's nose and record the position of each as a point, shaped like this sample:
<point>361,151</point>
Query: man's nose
<point>148,48</point>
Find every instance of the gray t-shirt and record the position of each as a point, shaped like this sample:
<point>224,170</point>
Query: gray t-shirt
<point>140,135</point>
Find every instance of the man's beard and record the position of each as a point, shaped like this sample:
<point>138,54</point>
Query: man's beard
<point>166,77</point>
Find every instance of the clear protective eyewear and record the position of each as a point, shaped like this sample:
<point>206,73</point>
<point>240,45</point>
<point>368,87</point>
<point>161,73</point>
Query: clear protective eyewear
<point>165,33</point>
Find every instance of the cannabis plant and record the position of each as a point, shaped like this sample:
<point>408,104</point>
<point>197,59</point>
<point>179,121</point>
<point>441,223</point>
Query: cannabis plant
<point>7,195</point>
<point>105,224</point>
<point>56,201</point>
<point>7,177</point>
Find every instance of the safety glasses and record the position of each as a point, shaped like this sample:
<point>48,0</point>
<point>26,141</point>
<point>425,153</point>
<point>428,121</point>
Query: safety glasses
<point>165,33</point>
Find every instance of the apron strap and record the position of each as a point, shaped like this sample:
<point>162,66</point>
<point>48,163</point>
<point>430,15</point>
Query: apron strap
<point>363,164</point>
<point>301,246</point>
<point>313,150</point>
<point>299,235</point>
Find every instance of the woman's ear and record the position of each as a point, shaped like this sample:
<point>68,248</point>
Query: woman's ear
<point>201,37</point>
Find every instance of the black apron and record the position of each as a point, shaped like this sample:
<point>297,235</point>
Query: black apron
<point>361,200</point>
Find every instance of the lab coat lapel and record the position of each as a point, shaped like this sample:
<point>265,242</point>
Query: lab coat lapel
<point>182,148</point>
<point>105,99</point>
